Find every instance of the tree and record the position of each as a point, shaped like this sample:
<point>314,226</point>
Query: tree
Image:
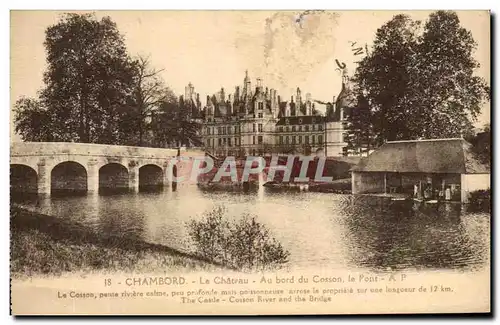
<point>481,144</point>
<point>450,95</point>
<point>148,94</point>
<point>172,126</point>
<point>87,82</point>
<point>360,135</point>
<point>419,83</point>
<point>32,121</point>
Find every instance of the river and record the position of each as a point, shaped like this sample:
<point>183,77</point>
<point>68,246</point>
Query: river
<point>318,229</point>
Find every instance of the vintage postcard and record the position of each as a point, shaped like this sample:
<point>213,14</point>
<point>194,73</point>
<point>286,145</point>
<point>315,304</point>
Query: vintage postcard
<point>250,162</point>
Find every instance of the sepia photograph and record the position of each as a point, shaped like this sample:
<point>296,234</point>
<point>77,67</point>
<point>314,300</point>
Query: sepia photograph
<point>250,162</point>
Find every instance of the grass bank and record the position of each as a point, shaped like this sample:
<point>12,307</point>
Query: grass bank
<point>42,244</point>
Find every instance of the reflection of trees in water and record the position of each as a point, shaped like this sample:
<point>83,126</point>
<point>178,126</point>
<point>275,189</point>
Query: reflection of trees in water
<point>397,235</point>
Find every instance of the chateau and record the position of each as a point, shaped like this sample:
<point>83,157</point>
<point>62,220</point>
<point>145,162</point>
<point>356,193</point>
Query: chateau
<point>257,121</point>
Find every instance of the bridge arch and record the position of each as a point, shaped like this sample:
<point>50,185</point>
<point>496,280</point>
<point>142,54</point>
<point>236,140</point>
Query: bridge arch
<point>68,177</point>
<point>150,177</point>
<point>23,179</point>
<point>113,177</point>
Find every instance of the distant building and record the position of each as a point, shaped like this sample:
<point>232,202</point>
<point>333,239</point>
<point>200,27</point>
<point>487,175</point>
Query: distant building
<point>255,121</point>
<point>426,169</point>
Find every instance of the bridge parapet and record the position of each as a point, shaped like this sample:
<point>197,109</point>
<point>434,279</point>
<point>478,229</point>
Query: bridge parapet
<point>88,149</point>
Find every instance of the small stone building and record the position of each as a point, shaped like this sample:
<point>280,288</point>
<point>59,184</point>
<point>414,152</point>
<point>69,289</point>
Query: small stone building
<point>425,169</point>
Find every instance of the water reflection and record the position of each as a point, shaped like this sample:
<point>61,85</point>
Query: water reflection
<point>414,235</point>
<point>319,229</point>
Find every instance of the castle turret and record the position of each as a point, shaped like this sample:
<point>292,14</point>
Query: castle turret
<point>222,95</point>
<point>259,85</point>
<point>189,92</point>
<point>209,108</point>
<point>274,103</point>
<point>229,105</point>
<point>237,94</point>
<point>309,104</point>
<point>247,84</point>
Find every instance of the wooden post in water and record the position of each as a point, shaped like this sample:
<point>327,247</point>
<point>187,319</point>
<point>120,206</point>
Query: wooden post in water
<point>385,183</point>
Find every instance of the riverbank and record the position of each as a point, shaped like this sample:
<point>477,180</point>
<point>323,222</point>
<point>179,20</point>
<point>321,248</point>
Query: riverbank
<point>42,244</point>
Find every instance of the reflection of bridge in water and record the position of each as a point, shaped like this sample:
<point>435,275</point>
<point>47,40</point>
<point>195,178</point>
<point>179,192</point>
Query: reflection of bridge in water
<point>48,167</point>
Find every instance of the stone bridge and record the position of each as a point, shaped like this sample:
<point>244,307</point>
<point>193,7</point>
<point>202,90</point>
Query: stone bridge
<point>48,167</point>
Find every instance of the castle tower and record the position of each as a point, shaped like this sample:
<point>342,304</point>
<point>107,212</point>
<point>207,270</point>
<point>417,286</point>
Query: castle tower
<point>247,85</point>
<point>189,92</point>
<point>259,84</point>
<point>274,103</point>
<point>237,94</point>
<point>229,105</point>
<point>210,108</point>
<point>308,104</point>
<point>222,95</point>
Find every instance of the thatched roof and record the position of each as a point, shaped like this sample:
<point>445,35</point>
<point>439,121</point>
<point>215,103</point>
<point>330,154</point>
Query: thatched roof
<point>423,156</point>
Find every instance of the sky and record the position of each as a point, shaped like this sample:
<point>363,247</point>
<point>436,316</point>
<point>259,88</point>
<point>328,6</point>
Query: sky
<point>212,49</point>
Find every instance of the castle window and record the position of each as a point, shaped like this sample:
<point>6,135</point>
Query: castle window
<point>261,105</point>
<point>300,139</point>
<point>220,141</point>
<point>235,129</point>
<point>229,142</point>
<point>208,131</point>
<point>253,139</point>
<point>307,128</point>
<point>293,140</point>
<point>320,139</point>
<point>219,130</point>
<point>287,139</point>
<point>254,127</point>
<point>320,127</point>
<point>287,129</point>
<point>300,128</point>
<point>259,139</point>
<point>228,130</point>
<point>300,121</point>
<point>281,139</point>
<point>280,129</point>
<point>260,127</point>
<point>313,127</point>
<point>261,115</point>
<point>306,138</point>
<point>293,128</point>
<point>313,139</point>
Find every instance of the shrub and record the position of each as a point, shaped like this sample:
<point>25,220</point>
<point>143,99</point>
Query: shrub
<point>480,200</point>
<point>244,245</point>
